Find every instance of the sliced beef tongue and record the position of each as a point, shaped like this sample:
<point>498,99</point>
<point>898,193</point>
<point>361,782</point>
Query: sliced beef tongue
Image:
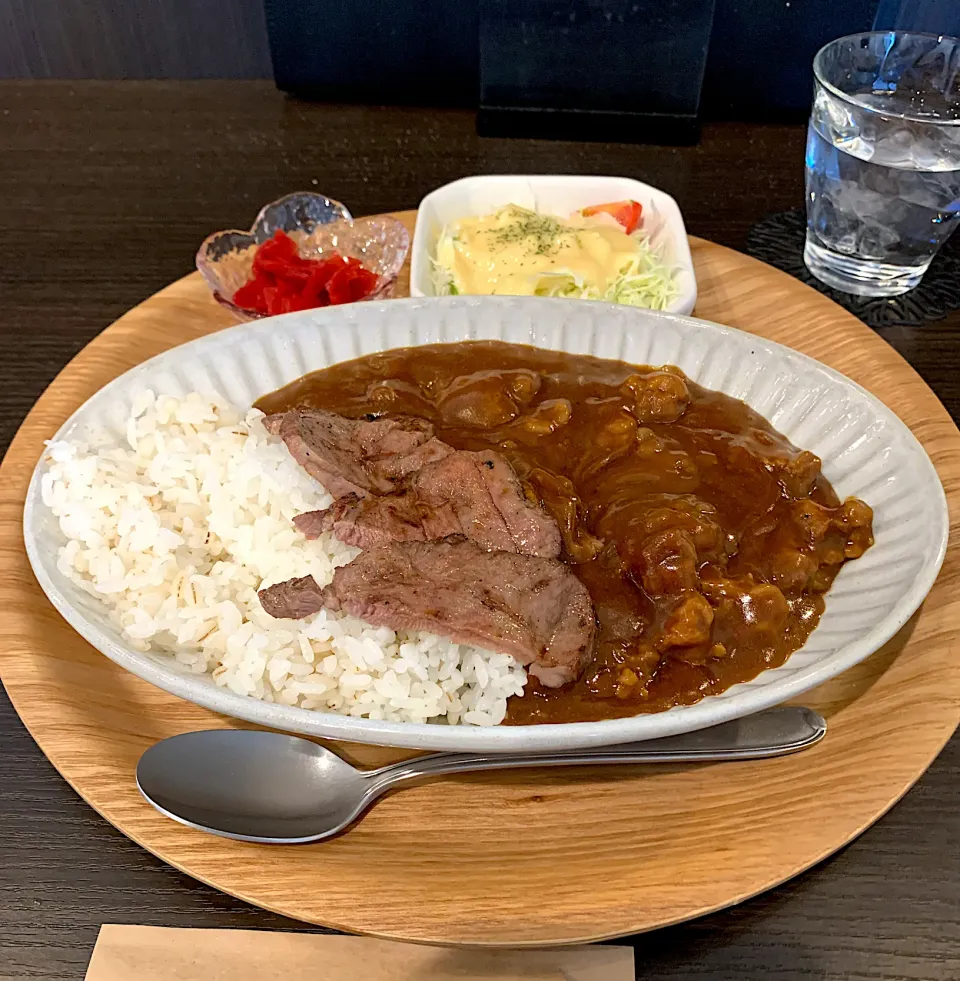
<point>474,494</point>
<point>356,456</point>
<point>293,599</point>
<point>484,493</point>
<point>531,607</point>
<point>368,522</point>
<point>398,465</point>
<point>393,480</point>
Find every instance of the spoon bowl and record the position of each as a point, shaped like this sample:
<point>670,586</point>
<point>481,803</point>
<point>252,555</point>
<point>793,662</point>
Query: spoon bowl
<point>252,786</point>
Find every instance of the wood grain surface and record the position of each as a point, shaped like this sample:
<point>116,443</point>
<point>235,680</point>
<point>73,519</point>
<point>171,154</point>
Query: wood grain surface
<point>668,843</point>
<point>110,187</point>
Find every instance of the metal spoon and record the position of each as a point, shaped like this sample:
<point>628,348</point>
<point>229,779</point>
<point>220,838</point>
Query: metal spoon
<point>277,789</point>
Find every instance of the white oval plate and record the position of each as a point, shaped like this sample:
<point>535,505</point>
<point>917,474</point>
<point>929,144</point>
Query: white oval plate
<point>866,451</point>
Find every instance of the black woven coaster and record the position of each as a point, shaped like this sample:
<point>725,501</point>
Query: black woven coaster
<point>778,239</point>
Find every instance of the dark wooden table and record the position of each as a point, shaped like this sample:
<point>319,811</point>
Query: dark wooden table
<point>106,189</point>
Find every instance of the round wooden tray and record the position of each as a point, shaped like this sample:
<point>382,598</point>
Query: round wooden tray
<point>527,857</point>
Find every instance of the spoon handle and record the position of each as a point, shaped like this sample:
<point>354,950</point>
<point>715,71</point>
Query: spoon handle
<point>776,732</point>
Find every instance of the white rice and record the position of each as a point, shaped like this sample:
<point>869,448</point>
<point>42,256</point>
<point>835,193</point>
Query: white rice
<point>177,530</point>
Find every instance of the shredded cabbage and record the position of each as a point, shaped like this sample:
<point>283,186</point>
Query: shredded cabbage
<point>442,276</point>
<point>645,281</point>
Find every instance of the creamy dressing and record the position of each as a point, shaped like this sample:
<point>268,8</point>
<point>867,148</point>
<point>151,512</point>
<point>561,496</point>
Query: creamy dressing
<point>519,252</point>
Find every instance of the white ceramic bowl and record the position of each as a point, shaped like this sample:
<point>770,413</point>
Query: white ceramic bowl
<point>865,449</point>
<point>472,197</point>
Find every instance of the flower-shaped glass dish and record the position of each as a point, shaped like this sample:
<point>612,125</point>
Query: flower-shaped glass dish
<point>319,226</point>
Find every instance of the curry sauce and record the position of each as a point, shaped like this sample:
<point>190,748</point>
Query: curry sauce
<point>705,539</point>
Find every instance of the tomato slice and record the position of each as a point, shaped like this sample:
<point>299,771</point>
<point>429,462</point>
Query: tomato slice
<point>625,213</point>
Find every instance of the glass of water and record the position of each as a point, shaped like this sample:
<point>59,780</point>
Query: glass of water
<point>883,159</point>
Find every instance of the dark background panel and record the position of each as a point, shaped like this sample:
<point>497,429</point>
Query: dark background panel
<point>607,55</point>
<point>426,52</point>
<point>133,39</point>
<point>612,55</point>
<point>383,51</point>
<point>761,52</point>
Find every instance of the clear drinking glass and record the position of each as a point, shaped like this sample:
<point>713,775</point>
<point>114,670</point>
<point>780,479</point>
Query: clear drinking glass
<point>883,159</point>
